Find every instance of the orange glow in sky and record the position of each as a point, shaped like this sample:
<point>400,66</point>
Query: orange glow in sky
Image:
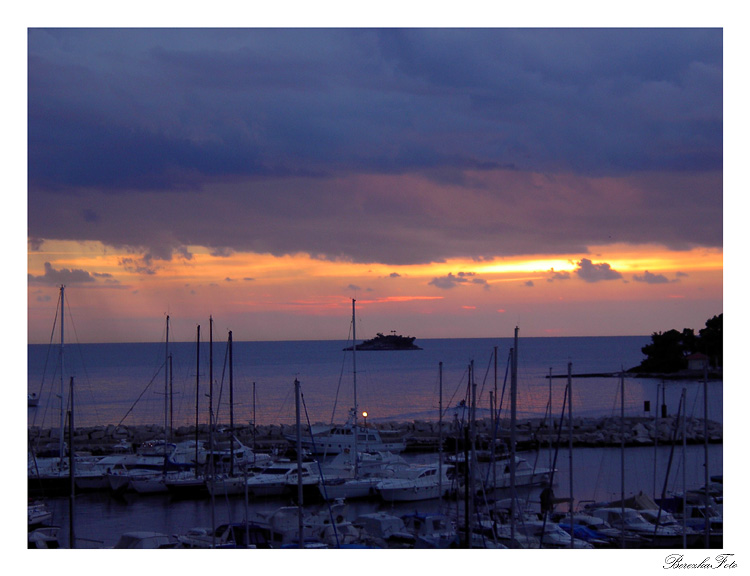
<point>124,297</point>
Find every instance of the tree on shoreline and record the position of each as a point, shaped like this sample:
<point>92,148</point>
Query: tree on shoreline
<point>669,350</point>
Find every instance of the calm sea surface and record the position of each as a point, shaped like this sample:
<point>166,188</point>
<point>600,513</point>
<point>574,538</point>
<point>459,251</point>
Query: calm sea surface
<point>125,383</point>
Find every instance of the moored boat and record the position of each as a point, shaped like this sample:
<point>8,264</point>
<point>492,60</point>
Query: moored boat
<point>417,482</point>
<point>338,439</point>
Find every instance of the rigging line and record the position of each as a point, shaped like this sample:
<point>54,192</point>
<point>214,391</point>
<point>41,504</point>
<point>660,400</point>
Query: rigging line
<point>88,386</point>
<point>554,460</point>
<point>141,395</point>
<point>680,407</point>
<point>486,374</point>
<point>613,414</point>
<point>458,387</point>
<point>499,410</point>
<point>283,406</point>
<point>341,375</point>
<point>221,383</point>
<point>46,361</point>
<point>320,471</point>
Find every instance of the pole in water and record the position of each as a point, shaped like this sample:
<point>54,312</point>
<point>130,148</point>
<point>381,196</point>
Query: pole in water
<point>71,470</point>
<point>570,446</point>
<point>299,464</point>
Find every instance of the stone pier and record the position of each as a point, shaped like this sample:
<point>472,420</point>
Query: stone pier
<point>420,435</point>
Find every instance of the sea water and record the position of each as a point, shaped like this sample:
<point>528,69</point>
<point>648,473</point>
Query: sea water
<point>126,383</point>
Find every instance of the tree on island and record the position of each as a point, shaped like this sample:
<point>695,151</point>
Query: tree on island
<point>669,350</point>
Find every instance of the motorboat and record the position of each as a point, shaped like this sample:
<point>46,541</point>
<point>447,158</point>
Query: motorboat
<point>44,537</point>
<point>416,482</point>
<point>631,520</point>
<point>328,526</point>
<point>232,535</point>
<point>431,530</point>
<point>503,534</point>
<point>597,531</point>
<point>387,529</point>
<point>550,534</point>
<point>145,540</point>
<point>279,478</point>
<point>525,474</point>
<point>336,439</point>
<point>39,514</point>
<point>342,480</point>
<point>143,480</point>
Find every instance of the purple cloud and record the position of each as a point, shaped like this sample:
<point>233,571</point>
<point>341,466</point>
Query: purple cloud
<point>62,276</point>
<point>590,272</point>
<point>650,278</point>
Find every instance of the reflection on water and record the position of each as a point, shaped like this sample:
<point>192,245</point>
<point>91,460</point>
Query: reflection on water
<point>124,383</point>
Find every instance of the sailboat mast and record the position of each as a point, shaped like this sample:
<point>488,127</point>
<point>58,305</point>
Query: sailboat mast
<point>166,394</point>
<point>706,524</point>
<point>684,473</point>
<point>440,435</point>
<point>197,390</point>
<point>71,456</point>
<point>171,397</point>
<point>513,393</point>
<point>300,526</point>
<point>231,408</point>
<point>62,378</point>
<point>354,369</point>
<point>255,420</point>
<point>622,445</point>
<point>570,446</point>
<point>211,425</point>
<point>550,426</point>
<point>211,397</point>
<point>493,421</point>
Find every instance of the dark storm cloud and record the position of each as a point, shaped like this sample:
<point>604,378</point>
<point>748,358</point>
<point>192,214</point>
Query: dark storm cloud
<point>591,272</point>
<point>54,277</point>
<point>651,278</point>
<point>564,275</point>
<point>451,280</point>
<point>273,140</point>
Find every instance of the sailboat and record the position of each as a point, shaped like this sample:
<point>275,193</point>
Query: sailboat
<point>350,437</point>
<point>231,453</point>
<point>50,474</point>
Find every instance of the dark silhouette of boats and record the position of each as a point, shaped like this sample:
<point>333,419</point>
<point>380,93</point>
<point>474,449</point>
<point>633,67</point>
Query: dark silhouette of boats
<point>391,341</point>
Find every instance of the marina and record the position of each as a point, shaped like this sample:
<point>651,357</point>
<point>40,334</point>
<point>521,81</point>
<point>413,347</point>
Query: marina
<point>487,480</point>
<point>482,472</point>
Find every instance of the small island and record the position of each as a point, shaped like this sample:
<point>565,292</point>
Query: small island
<point>675,355</point>
<point>392,341</point>
<point>684,354</point>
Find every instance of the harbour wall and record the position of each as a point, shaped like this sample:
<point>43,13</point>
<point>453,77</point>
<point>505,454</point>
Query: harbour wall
<point>419,435</point>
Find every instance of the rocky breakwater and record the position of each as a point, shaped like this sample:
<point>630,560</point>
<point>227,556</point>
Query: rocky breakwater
<point>420,435</point>
<point>634,431</point>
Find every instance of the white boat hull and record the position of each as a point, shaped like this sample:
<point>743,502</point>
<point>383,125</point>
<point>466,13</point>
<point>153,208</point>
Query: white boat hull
<point>350,489</point>
<point>410,494</point>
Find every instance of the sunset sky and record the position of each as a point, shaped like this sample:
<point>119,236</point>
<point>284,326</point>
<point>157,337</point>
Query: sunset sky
<point>456,182</point>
